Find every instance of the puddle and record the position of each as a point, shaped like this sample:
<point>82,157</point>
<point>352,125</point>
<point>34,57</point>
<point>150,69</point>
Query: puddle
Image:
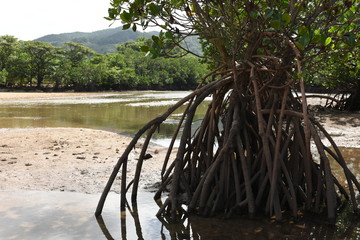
<point>352,159</point>
<point>63,215</point>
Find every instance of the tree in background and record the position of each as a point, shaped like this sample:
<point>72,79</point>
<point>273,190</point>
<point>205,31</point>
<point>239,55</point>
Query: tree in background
<point>8,46</point>
<point>252,152</point>
<point>41,60</point>
<point>342,79</point>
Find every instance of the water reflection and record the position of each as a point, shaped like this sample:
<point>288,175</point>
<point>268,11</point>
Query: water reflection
<point>195,227</point>
<point>33,215</point>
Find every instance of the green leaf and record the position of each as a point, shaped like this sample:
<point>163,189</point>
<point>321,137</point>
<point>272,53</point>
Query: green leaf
<point>299,75</point>
<point>112,13</point>
<point>305,40</point>
<point>327,41</point>
<point>134,27</point>
<point>154,52</point>
<point>153,9</point>
<point>254,14</point>
<point>286,18</point>
<point>125,16</point>
<point>268,13</point>
<point>275,24</point>
<point>303,30</point>
<point>169,35</point>
<point>155,39</point>
<point>144,48</point>
<point>299,45</point>
<point>316,39</point>
<point>126,26</point>
<point>352,39</point>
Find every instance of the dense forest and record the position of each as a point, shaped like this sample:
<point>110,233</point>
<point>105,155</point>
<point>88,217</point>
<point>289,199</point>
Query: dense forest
<point>72,65</point>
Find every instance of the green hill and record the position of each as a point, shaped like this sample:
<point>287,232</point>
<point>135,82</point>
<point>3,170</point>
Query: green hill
<point>105,41</point>
<point>102,41</point>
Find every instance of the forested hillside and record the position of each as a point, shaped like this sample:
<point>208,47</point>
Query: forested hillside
<point>105,41</point>
<point>102,41</point>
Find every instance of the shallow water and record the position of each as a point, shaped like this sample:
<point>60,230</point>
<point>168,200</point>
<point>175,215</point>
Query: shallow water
<point>123,112</point>
<point>352,159</point>
<point>63,215</point>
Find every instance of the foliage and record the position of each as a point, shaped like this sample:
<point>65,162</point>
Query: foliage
<point>41,59</point>
<point>79,67</point>
<point>8,46</point>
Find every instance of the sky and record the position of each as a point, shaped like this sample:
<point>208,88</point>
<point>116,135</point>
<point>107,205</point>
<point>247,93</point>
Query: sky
<point>31,19</point>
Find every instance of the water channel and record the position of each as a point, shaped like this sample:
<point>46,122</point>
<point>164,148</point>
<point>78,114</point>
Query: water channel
<point>63,215</point>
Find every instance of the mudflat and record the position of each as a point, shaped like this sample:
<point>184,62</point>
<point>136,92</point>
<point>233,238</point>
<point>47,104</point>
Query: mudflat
<point>68,159</point>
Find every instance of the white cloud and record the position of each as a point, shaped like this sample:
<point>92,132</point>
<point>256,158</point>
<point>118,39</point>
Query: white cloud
<point>30,19</point>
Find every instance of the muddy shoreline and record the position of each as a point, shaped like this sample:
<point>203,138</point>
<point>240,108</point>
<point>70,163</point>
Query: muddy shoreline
<point>68,159</point>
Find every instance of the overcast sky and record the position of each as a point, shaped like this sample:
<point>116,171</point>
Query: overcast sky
<point>31,19</point>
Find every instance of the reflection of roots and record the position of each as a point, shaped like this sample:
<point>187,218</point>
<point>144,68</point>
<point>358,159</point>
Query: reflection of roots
<point>250,154</point>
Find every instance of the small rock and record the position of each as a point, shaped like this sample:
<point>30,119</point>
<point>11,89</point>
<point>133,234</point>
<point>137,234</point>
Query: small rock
<point>28,164</point>
<point>80,157</point>
<point>258,229</point>
<point>148,156</point>
<point>12,162</point>
<point>301,226</point>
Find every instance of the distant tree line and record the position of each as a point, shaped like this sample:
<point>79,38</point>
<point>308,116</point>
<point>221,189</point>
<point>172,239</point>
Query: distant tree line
<point>35,64</point>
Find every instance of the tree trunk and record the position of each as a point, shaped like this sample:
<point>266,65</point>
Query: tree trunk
<point>40,79</point>
<point>353,102</point>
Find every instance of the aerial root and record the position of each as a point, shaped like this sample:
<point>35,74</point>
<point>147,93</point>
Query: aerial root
<point>251,154</point>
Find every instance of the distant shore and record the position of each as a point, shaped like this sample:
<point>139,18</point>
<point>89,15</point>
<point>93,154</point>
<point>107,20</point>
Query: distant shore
<point>45,95</point>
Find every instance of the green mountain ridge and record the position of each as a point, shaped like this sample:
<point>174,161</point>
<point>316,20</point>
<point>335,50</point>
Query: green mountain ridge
<point>105,41</point>
<point>102,41</point>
